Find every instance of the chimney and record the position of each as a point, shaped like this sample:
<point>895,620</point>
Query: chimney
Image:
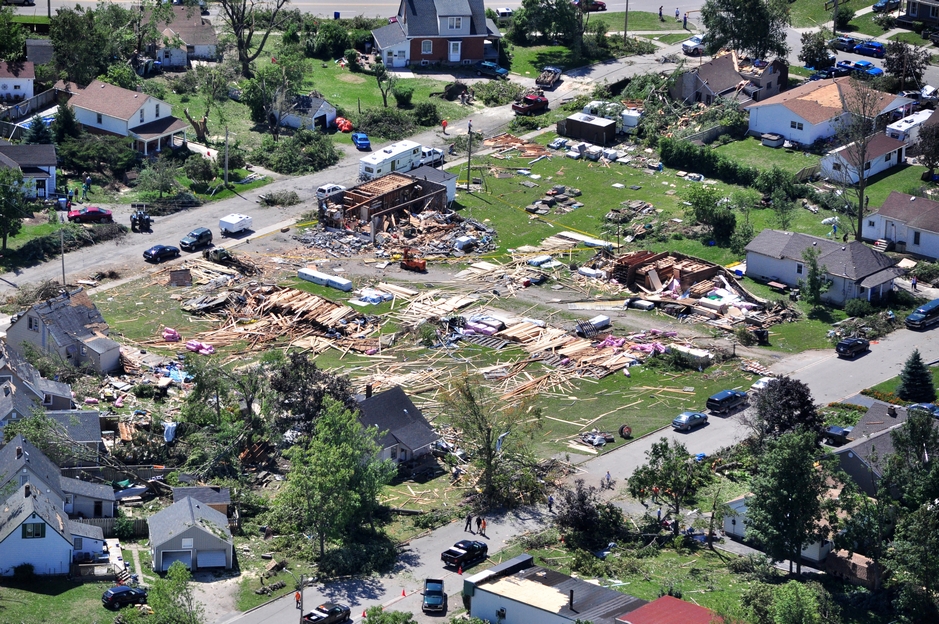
<point>570,601</point>
<point>368,391</point>
<point>27,491</point>
<point>19,452</point>
<point>892,411</point>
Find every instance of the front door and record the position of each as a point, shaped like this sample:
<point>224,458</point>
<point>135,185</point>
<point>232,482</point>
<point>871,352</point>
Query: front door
<point>97,509</point>
<point>455,49</point>
<point>41,188</point>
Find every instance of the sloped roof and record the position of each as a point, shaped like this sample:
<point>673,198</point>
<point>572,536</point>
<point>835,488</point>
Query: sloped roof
<point>873,450</point>
<point>398,420</point>
<point>878,146</point>
<point>184,514</point>
<point>420,17</point>
<point>31,458</point>
<point>80,529</point>
<point>107,99</point>
<point>719,74</point>
<point>16,399</point>
<point>71,317</point>
<point>820,100</point>
<point>18,69</point>
<point>159,127</point>
<point>39,51</point>
<point>80,425</point>
<point>191,28</point>
<point>19,507</point>
<point>916,212</point>
<point>88,489</point>
<point>204,494</point>
<point>389,35</point>
<point>668,610</point>
<point>30,155</point>
<point>431,173</point>
<point>853,260</point>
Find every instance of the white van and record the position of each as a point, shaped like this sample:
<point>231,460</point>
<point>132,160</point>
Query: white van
<point>328,190</point>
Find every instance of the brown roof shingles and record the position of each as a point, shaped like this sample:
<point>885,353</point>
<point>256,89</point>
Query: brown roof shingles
<point>916,212</point>
<point>820,100</point>
<point>880,145</point>
<point>108,99</point>
<point>23,69</point>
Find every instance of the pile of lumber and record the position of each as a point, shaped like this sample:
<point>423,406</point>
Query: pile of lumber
<point>429,305</point>
<point>503,143</point>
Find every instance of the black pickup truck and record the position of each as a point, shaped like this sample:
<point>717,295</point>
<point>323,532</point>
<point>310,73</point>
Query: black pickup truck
<point>465,553</point>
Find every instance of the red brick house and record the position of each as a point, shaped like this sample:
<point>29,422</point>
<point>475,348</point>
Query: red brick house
<point>424,32</point>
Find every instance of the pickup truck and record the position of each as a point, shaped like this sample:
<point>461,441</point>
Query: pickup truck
<point>548,77</point>
<point>530,104</point>
<point>465,553</point>
<point>328,613</point>
<point>435,599</point>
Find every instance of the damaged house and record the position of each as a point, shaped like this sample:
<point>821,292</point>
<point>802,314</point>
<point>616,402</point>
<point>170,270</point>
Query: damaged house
<point>728,76</point>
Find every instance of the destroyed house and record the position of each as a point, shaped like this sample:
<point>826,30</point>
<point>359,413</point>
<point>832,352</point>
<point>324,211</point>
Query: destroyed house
<point>403,431</point>
<point>24,377</point>
<point>728,76</point>
<point>384,202</point>
<point>218,498</point>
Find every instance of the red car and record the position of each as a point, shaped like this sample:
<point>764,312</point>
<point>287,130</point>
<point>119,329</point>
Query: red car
<point>90,214</point>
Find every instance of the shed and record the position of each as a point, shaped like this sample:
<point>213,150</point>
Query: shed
<point>583,127</point>
<point>439,176</point>
<point>190,532</point>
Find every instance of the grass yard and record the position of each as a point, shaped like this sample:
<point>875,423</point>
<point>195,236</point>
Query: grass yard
<point>54,600</point>
<point>671,38</point>
<point>865,25</point>
<point>911,37</point>
<point>529,61</point>
<point>137,314</point>
<point>639,21</point>
<point>812,12</point>
<point>799,71</point>
<point>750,151</point>
<point>904,178</point>
<point>886,390</point>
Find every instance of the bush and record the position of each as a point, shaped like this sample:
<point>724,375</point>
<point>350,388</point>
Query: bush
<point>24,572</point>
<point>497,92</point>
<point>185,84</point>
<point>387,123</point>
<point>926,272</point>
<point>154,88</point>
<point>305,151</point>
<point>524,124</point>
<point>680,154</point>
<point>844,16</point>
<point>362,555</point>
<point>281,198</point>
<point>426,114</point>
<point>744,336</point>
<point>331,41</point>
<point>200,169</point>
<point>123,527</point>
<point>403,94</point>
<point>858,308</point>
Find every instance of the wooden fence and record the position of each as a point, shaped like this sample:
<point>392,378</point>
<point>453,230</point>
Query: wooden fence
<point>706,136</point>
<point>140,526</point>
<point>28,108</point>
<point>807,172</point>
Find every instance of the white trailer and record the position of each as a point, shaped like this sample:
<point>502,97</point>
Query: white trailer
<point>400,156</point>
<point>907,129</point>
<point>234,224</point>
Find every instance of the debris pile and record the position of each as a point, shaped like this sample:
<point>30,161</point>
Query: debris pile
<point>505,143</point>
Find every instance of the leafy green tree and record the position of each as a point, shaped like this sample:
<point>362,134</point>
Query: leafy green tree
<point>671,470</point>
<point>498,436</point>
<point>757,27</point>
<point>331,41</point>
<point>13,204</point>
<point>912,471</point>
<point>844,16</point>
<point>335,475</point>
<point>929,146</point>
<point>709,209</point>
<point>584,519</point>
<point>173,598</point>
<point>869,523</point>
<point>788,503</point>
<point>916,381</point>
<point>815,283</point>
<point>300,390</point>
<point>913,561</point>
<point>386,81</point>
<point>246,18</point>
<point>201,169</point>
<point>159,176</point>
<point>65,125</point>
<point>12,37</point>
<point>815,51</point>
<point>97,153</point>
<point>38,133</point>
<point>81,49</point>
<point>795,603</point>
<point>784,208</point>
<point>377,615</point>
<point>906,62</point>
<point>122,75</point>
<point>270,92</point>
<point>785,405</point>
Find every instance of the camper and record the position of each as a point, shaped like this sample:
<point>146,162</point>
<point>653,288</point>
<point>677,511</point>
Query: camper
<point>234,224</point>
<point>907,129</point>
<point>402,156</point>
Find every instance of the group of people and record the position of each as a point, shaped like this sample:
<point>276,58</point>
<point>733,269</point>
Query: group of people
<point>677,17</point>
<point>85,189</point>
<point>480,525</point>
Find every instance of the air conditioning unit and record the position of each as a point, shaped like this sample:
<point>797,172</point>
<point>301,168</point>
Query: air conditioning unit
<point>467,61</point>
<point>501,613</point>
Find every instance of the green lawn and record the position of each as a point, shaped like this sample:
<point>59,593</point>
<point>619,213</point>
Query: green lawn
<point>639,21</point>
<point>795,70</point>
<point>528,61</point>
<point>30,19</point>
<point>54,600</point>
<point>865,25</point>
<point>890,386</point>
<point>671,38</point>
<point>750,151</point>
<point>812,12</point>
<point>912,38</point>
<point>904,178</point>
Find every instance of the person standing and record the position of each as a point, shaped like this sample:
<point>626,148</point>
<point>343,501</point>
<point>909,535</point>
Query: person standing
<point>677,15</point>
<point>609,480</point>
<point>479,523</point>
<point>469,523</point>
<point>482,530</point>
<point>913,282</point>
<point>661,17</point>
<point>550,504</point>
<point>296,597</point>
<point>685,22</point>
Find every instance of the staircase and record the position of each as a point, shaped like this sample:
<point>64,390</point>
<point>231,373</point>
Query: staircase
<point>882,245</point>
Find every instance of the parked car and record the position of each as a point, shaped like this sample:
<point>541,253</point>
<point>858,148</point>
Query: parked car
<point>852,347</point>
<point>197,238</point>
<point>435,599</point>
<point>361,142</point>
<point>836,436</point>
<point>90,214</point>
<point>589,6</point>
<point>845,44</point>
<point>868,68</point>
<point>328,613</point>
<point>932,408</point>
<point>693,46</point>
<point>687,421</point>
<point>465,553</point>
<point>159,253</point>
<point>117,597</point>
<point>835,71</point>
<point>886,5</point>
<point>726,401</point>
<point>432,156</point>
<point>871,48</point>
<point>488,68</point>
<point>761,383</point>
<point>328,190</point>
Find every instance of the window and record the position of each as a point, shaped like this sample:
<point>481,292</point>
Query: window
<point>24,479</point>
<point>47,399</point>
<point>32,323</point>
<point>836,166</point>
<point>455,23</point>
<point>888,157</point>
<point>17,87</point>
<point>870,223</point>
<point>187,542</point>
<point>394,453</point>
<point>798,268</point>
<point>916,238</point>
<point>99,118</point>
<point>68,499</point>
<point>78,543</point>
<point>867,166</point>
<point>141,115</point>
<point>795,125</point>
<point>34,530</point>
<point>911,9</point>
<point>708,100</point>
<point>84,351</point>
<point>933,12</point>
<point>769,85</point>
<point>157,110</point>
<point>427,46</point>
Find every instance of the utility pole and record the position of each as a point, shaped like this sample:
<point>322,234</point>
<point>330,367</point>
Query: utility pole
<point>469,155</point>
<point>62,253</point>
<point>626,22</point>
<point>226,156</point>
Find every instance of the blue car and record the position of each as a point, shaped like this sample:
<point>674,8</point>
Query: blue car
<point>868,68</point>
<point>870,48</point>
<point>360,140</point>
<point>488,68</point>
<point>886,5</point>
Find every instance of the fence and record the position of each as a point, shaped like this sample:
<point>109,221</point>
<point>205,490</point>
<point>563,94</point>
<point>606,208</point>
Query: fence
<point>706,136</point>
<point>807,173</point>
<point>140,526</point>
<point>11,132</point>
<point>28,108</point>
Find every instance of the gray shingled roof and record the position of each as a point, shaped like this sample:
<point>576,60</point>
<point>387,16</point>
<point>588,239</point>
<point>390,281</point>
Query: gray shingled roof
<point>419,17</point>
<point>81,426</point>
<point>28,373</point>
<point>39,51</point>
<point>17,399</point>
<point>32,457</point>
<point>203,494</point>
<point>19,507</point>
<point>80,529</point>
<point>389,35</point>
<point>873,450</point>
<point>70,318</point>
<point>877,419</point>
<point>853,260</point>
<point>398,420</point>
<point>30,155</point>
<point>719,74</point>
<point>430,173</point>
<point>446,8</point>
<point>180,516</point>
<point>916,212</point>
<point>98,491</point>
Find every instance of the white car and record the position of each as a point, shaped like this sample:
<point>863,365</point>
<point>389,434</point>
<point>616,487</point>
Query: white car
<point>432,156</point>
<point>693,46</point>
<point>761,383</point>
<point>328,190</point>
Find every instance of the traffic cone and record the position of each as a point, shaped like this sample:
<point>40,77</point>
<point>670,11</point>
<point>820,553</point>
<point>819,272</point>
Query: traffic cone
<point>460,570</point>
<point>404,594</point>
<point>363,614</point>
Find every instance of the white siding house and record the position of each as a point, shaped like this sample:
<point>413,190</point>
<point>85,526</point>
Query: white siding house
<point>35,531</point>
<point>735,525</point>
<point>911,223</point>
<point>36,162</point>
<point>16,81</point>
<point>883,152</point>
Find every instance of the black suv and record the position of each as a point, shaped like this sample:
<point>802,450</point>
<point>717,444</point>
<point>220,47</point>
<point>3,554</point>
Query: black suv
<point>197,238</point>
<point>851,347</point>
<point>117,597</point>
<point>726,400</point>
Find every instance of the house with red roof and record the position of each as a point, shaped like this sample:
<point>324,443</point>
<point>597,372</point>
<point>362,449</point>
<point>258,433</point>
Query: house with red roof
<point>669,610</point>
<point>16,80</point>
<point>882,152</point>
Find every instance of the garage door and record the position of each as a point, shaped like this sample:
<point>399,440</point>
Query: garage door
<point>177,555</point>
<point>211,559</point>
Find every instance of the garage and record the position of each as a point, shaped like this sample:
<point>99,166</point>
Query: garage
<point>211,559</point>
<point>170,556</point>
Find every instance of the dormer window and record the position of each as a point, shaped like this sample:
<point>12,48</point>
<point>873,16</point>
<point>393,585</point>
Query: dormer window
<point>455,23</point>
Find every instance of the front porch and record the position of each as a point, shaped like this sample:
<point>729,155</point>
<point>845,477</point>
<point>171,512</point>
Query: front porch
<point>156,135</point>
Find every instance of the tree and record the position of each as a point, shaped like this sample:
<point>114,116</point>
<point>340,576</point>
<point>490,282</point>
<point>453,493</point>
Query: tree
<point>869,522</point>
<point>81,49</point>
<point>213,88</point>
<point>377,615</point>
<point>912,471</point>
<point>38,133</point>
<point>386,81</point>
<point>815,283</point>
<point>916,381</point>
<point>844,16</point>
<point>914,564</point>
<point>787,505</point>
<point>584,519</point>
<point>757,27</point>
<point>498,435</point>
<point>300,390</point>
<point>795,603</point>
<point>549,19</point>
<point>335,476</point>
<point>122,75</point>
<point>245,18</point>
<point>709,209</point>
<point>862,104</point>
<point>906,62</point>
<point>815,51</point>
<point>13,204</point>
<point>929,146</point>
<point>65,125</point>
<point>173,598</point>
<point>12,37</point>
<point>201,169</point>
<point>158,176</point>
<point>677,477</point>
<point>783,207</point>
<point>271,90</point>
<point>783,406</point>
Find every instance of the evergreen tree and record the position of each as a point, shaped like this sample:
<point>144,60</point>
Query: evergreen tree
<point>916,381</point>
<point>65,125</point>
<point>38,133</point>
